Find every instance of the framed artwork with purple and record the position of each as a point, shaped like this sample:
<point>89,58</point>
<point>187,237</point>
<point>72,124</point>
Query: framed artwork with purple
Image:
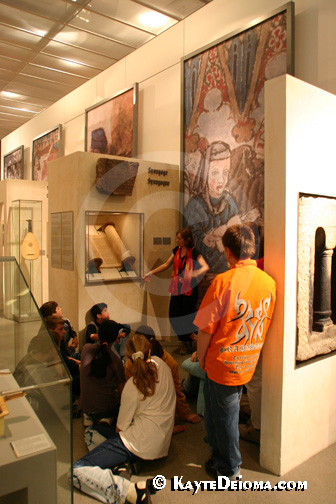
<point>223,128</point>
<point>111,126</point>
<point>46,148</point>
<point>13,164</point>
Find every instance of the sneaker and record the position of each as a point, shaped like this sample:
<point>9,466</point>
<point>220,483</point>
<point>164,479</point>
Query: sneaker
<point>211,470</point>
<point>123,470</point>
<point>141,495</point>
<point>107,421</point>
<point>93,438</point>
<point>249,433</point>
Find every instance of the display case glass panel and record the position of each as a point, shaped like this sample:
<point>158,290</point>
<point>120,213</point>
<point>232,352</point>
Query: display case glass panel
<point>26,244</point>
<point>31,363</point>
<point>114,246</point>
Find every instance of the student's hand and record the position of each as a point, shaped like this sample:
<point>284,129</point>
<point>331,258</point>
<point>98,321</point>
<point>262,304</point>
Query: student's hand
<point>94,337</point>
<point>193,336</point>
<point>120,336</point>
<point>194,357</point>
<point>74,342</point>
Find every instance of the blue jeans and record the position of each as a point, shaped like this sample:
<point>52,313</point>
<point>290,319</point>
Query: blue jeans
<point>221,418</point>
<point>194,383</point>
<point>107,455</point>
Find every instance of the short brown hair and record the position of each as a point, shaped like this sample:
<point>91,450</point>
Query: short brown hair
<point>240,240</point>
<point>48,308</point>
<point>187,236</point>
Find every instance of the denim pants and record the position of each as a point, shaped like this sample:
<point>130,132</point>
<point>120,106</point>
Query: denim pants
<point>221,418</point>
<point>194,383</point>
<point>107,455</point>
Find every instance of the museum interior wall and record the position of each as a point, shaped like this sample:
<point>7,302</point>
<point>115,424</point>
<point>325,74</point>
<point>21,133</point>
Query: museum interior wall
<point>144,221</point>
<point>298,416</point>
<point>298,399</point>
<point>157,68</point>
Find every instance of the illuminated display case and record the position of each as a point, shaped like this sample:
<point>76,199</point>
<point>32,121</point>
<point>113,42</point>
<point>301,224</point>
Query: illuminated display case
<point>26,244</point>
<point>114,246</point>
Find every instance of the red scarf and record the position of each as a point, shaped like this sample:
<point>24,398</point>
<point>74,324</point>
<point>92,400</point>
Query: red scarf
<point>186,284</point>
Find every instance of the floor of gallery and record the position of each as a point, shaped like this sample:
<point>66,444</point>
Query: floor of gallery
<point>188,453</point>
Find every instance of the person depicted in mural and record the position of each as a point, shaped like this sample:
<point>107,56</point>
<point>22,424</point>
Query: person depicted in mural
<point>212,210</point>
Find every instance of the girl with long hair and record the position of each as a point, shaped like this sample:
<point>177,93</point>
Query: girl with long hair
<point>182,408</point>
<point>102,376</point>
<point>144,426</point>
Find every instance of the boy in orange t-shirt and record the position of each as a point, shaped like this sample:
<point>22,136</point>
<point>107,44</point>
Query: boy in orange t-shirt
<point>233,319</point>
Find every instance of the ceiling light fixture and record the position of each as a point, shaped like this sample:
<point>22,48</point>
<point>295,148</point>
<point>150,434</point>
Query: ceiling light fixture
<point>21,109</point>
<point>153,19</point>
<point>9,94</point>
<point>84,15</point>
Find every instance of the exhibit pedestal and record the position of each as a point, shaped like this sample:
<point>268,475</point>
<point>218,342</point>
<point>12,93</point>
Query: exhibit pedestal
<point>28,455</point>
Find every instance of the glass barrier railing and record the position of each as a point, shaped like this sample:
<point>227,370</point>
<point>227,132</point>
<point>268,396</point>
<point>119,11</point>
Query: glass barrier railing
<point>35,426</point>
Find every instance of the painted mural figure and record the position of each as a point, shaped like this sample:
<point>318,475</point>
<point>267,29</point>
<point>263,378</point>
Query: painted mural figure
<point>212,209</point>
<point>224,133</point>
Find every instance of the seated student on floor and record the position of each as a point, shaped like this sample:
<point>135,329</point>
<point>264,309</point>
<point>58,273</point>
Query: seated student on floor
<point>102,377</point>
<point>56,325</point>
<point>144,426</point>
<point>182,408</point>
<point>99,313</point>
<point>52,309</point>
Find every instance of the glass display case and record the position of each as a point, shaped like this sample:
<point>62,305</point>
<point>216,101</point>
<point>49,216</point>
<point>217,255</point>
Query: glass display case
<point>114,246</point>
<point>26,242</point>
<point>35,388</point>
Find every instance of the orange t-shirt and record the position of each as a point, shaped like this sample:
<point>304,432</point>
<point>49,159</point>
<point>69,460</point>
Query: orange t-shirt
<point>237,310</point>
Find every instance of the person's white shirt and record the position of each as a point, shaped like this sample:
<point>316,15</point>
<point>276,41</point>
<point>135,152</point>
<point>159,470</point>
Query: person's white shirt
<point>146,425</point>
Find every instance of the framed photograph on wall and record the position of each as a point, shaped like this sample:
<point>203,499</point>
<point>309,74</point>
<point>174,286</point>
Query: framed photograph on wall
<point>46,148</point>
<point>13,164</point>
<point>222,137</point>
<point>111,126</point>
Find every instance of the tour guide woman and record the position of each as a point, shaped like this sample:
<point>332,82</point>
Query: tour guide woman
<point>188,268</point>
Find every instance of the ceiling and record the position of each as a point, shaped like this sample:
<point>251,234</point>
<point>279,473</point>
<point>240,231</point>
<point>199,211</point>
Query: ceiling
<point>48,48</point>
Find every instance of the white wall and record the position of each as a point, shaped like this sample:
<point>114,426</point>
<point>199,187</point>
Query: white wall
<point>156,67</point>
<point>298,404</point>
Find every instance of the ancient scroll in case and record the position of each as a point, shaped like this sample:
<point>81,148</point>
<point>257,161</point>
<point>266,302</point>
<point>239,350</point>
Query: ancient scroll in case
<point>106,251</point>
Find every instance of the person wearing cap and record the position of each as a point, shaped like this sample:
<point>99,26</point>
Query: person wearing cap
<point>212,209</point>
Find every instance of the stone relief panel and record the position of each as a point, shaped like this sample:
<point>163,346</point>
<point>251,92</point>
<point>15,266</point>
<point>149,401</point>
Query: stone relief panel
<point>316,307</point>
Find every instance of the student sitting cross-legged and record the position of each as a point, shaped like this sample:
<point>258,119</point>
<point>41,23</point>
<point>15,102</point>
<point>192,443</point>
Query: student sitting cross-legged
<point>144,427</point>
